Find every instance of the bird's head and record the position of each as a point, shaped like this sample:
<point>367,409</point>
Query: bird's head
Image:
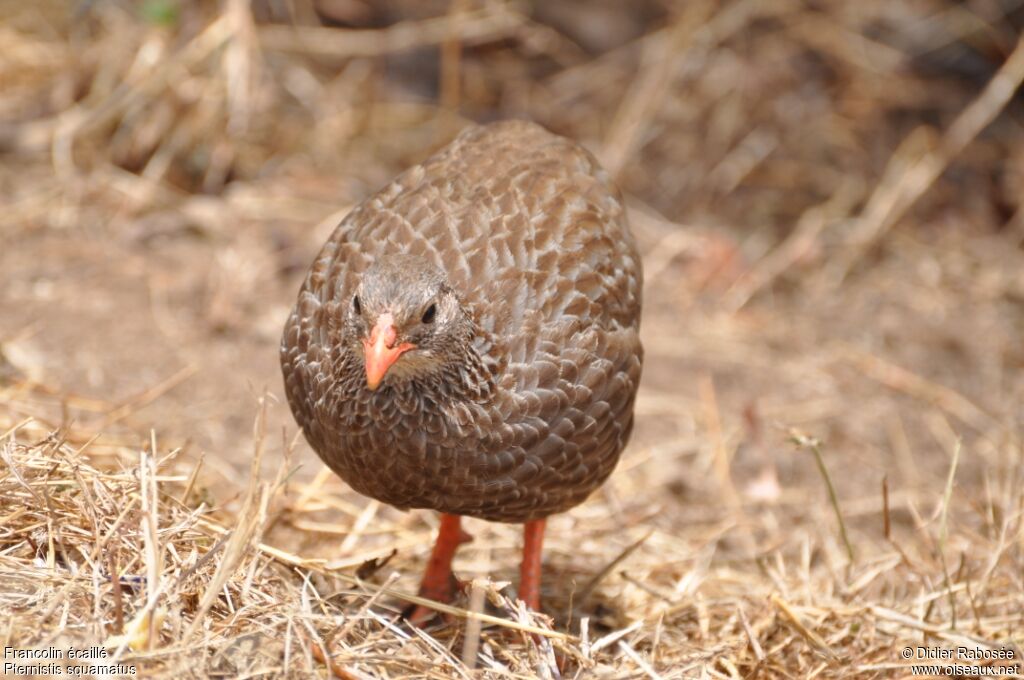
<point>405,321</point>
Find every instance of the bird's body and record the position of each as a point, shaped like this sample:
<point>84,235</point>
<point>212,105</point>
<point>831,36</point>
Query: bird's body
<point>467,339</point>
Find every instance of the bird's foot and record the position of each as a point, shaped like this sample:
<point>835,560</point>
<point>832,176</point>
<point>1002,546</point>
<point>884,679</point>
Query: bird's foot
<point>439,583</point>
<point>447,592</point>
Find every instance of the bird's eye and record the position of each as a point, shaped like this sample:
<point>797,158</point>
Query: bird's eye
<point>429,314</point>
<point>356,307</point>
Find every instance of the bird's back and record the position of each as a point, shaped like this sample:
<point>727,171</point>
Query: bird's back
<point>533,238</point>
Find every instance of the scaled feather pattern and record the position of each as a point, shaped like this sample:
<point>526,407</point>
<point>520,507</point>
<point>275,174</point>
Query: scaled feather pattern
<point>506,262</point>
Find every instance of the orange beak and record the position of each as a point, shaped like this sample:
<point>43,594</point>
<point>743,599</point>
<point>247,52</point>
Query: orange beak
<point>380,350</point>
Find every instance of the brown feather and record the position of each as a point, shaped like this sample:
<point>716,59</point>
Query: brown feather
<point>520,397</point>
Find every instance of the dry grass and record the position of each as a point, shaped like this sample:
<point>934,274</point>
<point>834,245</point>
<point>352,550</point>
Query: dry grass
<point>827,465</point>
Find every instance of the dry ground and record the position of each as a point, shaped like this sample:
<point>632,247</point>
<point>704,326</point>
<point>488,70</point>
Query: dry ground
<point>830,200</point>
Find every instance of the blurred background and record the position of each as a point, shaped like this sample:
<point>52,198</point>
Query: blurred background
<point>829,197</point>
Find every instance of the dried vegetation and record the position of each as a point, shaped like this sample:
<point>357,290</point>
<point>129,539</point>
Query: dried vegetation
<point>827,466</point>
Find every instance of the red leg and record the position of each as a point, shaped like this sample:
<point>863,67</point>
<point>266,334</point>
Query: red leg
<point>529,572</point>
<point>438,582</point>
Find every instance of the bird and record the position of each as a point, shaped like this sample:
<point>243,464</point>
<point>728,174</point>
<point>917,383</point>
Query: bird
<point>467,340</point>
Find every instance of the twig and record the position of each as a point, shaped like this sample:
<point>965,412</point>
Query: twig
<point>755,646</point>
<point>149,396</point>
<point>944,530</point>
<point>801,627</point>
<point>639,660</point>
<point>894,195</point>
<point>471,643</point>
<point>886,520</point>
<point>719,454</point>
<point>588,589</point>
<point>797,244</point>
<point>115,581</point>
<point>150,534</point>
<point>902,380</point>
<point>472,28</point>
<point>321,655</point>
<point>808,442</point>
<point>644,98</point>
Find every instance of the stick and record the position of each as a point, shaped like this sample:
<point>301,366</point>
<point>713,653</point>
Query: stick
<point>891,199</point>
